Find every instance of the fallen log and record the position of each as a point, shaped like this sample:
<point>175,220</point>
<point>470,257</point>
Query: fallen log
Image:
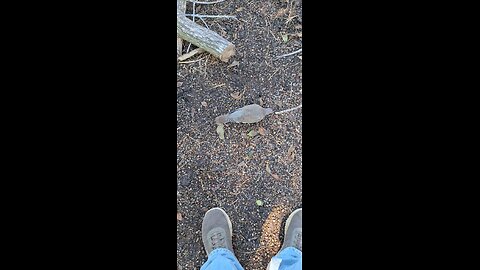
<point>204,38</point>
<point>181,7</point>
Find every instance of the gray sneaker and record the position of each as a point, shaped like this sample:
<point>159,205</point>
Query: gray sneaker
<point>293,230</point>
<point>216,230</point>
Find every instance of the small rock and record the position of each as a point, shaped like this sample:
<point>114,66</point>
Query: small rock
<point>186,179</point>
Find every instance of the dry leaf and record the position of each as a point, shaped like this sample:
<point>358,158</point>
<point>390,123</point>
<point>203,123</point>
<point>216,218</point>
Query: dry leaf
<point>233,64</point>
<point>290,150</point>
<point>261,131</point>
<point>291,154</point>
<point>221,132</point>
<point>204,104</point>
<point>179,84</point>
<point>272,174</point>
<point>179,216</point>
<point>281,12</point>
<point>236,95</point>
<point>242,164</point>
<point>239,9</point>
<point>252,133</point>
<point>268,169</point>
<point>291,158</point>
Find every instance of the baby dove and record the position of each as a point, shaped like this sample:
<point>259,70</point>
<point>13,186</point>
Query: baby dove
<point>249,114</point>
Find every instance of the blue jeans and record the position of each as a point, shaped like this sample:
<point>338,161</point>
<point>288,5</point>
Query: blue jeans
<point>223,259</point>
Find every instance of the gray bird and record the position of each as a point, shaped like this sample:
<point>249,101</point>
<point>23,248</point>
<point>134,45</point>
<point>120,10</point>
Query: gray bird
<point>252,113</point>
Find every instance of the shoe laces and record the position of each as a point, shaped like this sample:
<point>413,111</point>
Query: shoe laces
<point>218,240</point>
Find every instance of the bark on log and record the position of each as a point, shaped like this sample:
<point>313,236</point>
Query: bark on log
<point>204,38</point>
<point>181,7</point>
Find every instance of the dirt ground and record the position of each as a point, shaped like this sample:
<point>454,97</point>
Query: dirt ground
<point>236,172</point>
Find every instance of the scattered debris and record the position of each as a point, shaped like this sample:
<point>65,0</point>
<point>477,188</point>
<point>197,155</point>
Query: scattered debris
<point>252,133</point>
<point>261,131</point>
<point>221,131</point>
<point>288,110</point>
<point>233,64</point>
<point>268,169</point>
<point>291,154</point>
<point>260,101</point>
<point>236,95</point>
<point>288,54</point>
<point>184,57</point>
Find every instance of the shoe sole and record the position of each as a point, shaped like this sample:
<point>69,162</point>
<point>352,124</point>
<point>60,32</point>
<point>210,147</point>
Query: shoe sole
<point>225,214</point>
<point>289,219</point>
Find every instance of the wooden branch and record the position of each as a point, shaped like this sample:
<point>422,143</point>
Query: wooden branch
<point>288,110</point>
<point>181,7</point>
<point>204,38</point>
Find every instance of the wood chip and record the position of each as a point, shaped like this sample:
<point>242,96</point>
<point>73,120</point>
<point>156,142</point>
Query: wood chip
<point>236,95</point>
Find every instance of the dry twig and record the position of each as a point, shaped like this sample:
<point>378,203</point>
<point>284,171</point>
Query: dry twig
<point>211,16</point>
<point>205,3</point>
<point>288,110</point>
<point>288,54</point>
<point>190,54</point>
